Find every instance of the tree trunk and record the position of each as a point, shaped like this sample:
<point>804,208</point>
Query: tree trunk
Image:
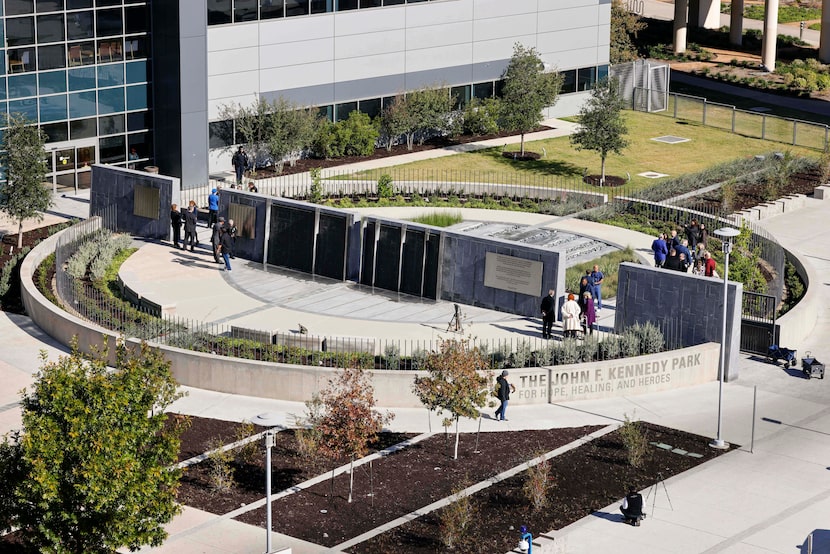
<point>602,173</point>
<point>523,145</point>
<point>20,234</point>
<point>351,478</point>
<point>455,456</point>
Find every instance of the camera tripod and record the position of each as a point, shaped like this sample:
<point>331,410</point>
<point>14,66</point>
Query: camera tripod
<point>455,323</point>
<point>654,489</point>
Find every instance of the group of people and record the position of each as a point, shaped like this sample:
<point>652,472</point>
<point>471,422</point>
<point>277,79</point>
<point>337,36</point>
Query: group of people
<point>577,314</point>
<point>223,234</point>
<point>682,254</point>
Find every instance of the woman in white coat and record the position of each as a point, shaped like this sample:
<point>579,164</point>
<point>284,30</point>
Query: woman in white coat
<point>570,317</point>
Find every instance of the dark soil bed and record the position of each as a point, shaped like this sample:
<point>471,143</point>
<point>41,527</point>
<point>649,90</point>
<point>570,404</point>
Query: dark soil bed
<point>10,302</point>
<point>748,196</point>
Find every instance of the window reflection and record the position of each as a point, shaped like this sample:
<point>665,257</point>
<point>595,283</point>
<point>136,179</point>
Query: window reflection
<point>21,60</point>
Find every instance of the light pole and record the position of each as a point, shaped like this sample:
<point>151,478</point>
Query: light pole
<point>268,420</point>
<point>726,234</point>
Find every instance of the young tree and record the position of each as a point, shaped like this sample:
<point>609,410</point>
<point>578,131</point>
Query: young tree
<point>23,196</point>
<point>348,422</point>
<point>528,89</point>
<point>454,383</point>
<point>624,26</point>
<point>291,129</point>
<point>89,471</point>
<point>430,107</point>
<point>252,124</point>
<point>602,127</point>
<point>396,120</point>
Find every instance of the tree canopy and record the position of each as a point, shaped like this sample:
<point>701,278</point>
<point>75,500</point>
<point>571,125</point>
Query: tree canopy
<point>624,28</point>
<point>602,127</point>
<point>454,383</point>
<point>23,156</point>
<point>89,471</point>
<point>528,89</point>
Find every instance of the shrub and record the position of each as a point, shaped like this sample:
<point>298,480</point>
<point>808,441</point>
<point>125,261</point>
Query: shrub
<point>567,352</point>
<point>538,481</point>
<point>455,520</point>
<point>248,452</point>
<point>480,117</point>
<point>589,348</point>
<point>522,355</point>
<point>392,356</point>
<point>220,470</point>
<point>315,191</point>
<point>634,441</point>
<point>650,338</point>
<point>10,269</point>
<point>629,344</point>
<point>386,188</point>
<point>609,348</point>
<point>355,136</point>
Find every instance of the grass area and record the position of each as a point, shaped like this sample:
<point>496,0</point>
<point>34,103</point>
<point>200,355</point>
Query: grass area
<point>109,283</point>
<point>609,264</point>
<point>564,166</point>
<point>442,219</point>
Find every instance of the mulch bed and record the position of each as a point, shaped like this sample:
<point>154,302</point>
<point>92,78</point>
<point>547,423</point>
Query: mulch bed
<point>748,196</point>
<point>11,302</point>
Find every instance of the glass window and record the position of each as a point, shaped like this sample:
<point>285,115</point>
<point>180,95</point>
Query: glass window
<point>370,3</point>
<point>137,72</point>
<point>585,78</point>
<point>343,110</point>
<point>78,4</point>
<point>483,90</point>
<point>244,10</point>
<point>326,112</point>
<point>82,104</point>
<point>81,79</point>
<point>53,108</point>
<point>21,86</point>
<point>24,108</point>
<point>20,31</point>
<point>21,60</point>
<point>82,128</point>
<point>82,53</point>
<point>460,96</point>
<point>270,9</point>
<point>52,82</point>
<point>113,149</point>
<point>220,134</point>
<point>79,26</point>
<point>50,28</point>
<point>135,47</point>
<point>322,6</point>
<point>219,12</point>
<point>44,6</point>
<point>111,100</point>
<point>414,1</point>
<point>100,3</point>
<point>135,19</point>
<point>56,132</point>
<point>370,107</point>
<point>2,90</point>
<point>568,81</point>
<point>139,120</point>
<point>393,2</point>
<point>110,75</point>
<point>51,57</point>
<point>296,7</point>
<point>111,124</point>
<point>19,7</point>
<point>108,23</point>
<point>142,142</point>
<point>110,51</point>
<point>343,5</point>
<point>602,72</point>
<point>137,97</point>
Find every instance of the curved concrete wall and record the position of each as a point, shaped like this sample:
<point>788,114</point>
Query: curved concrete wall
<point>797,324</point>
<point>667,370</point>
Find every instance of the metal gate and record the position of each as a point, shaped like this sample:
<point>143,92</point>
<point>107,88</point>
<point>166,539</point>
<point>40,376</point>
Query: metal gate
<point>758,329</point>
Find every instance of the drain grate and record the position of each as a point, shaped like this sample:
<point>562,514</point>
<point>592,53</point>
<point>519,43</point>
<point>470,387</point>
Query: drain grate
<point>671,139</point>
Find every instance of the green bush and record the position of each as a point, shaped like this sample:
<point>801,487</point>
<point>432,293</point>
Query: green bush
<point>386,187</point>
<point>10,269</point>
<point>480,117</point>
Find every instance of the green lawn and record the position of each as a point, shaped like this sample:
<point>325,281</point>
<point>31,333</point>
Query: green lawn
<point>563,165</point>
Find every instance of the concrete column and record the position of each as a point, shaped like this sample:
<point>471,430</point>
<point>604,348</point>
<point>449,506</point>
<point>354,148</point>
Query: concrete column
<point>736,23</point>
<point>681,18</point>
<point>768,49</point>
<point>709,14</point>
<point>824,39</point>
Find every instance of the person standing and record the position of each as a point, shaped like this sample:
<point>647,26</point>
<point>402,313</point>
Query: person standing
<point>240,163</point>
<point>232,230</point>
<point>213,207</point>
<point>216,238</point>
<point>176,223</point>
<point>660,249</point>
<point>709,265</point>
<point>596,289</point>
<point>191,216</point>
<point>702,235</point>
<point>548,314</point>
<point>226,247</point>
<point>504,390</point>
<point>570,317</point>
<point>692,234</point>
<point>590,314</point>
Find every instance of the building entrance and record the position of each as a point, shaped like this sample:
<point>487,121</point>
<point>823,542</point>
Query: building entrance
<point>69,166</point>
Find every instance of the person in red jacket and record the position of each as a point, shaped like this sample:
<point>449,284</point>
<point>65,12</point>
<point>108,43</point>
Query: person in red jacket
<point>709,265</point>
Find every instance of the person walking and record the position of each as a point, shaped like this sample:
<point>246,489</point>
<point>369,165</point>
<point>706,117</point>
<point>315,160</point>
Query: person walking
<point>504,390</point>
<point>213,207</point>
<point>589,314</point>
<point>233,231</point>
<point>226,247</point>
<point>570,317</point>
<point>660,249</point>
<point>596,287</point>
<point>548,314</point>
<point>176,223</point>
<point>240,163</point>
<point>191,216</point>
<point>216,238</point>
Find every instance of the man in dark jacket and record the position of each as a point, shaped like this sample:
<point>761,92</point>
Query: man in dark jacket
<point>240,163</point>
<point>216,238</point>
<point>504,390</point>
<point>226,247</point>
<point>176,223</point>
<point>632,507</point>
<point>548,314</point>
<point>191,216</point>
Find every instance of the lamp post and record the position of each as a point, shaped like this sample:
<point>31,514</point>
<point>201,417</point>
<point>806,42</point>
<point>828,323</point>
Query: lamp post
<point>726,235</point>
<point>268,420</point>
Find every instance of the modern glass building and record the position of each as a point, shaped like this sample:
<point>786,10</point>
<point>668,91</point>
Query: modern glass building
<point>82,68</point>
<point>79,68</point>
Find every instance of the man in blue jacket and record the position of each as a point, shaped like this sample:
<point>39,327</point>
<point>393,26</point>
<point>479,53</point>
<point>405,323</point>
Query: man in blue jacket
<point>213,207</point>
<point>660,250</point>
